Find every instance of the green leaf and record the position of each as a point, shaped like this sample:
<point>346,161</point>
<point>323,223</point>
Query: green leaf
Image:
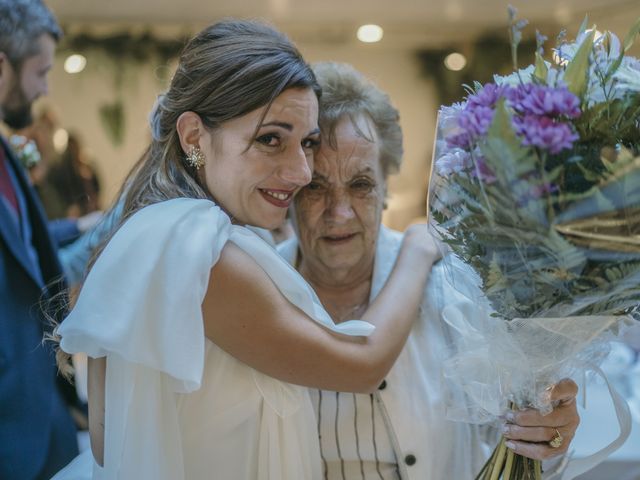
<point>541,70</point>
<point>583,26</point>
<point>575,75</point>
<point>631,36</point>
<point>613,68</point>
<point>503,150</point>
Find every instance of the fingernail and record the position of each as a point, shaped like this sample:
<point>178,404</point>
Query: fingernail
<point>506,429</point>
<point>510,445</point>
<point>509,417</point>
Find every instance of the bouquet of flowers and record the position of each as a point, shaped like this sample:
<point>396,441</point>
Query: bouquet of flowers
<point>536,187</point>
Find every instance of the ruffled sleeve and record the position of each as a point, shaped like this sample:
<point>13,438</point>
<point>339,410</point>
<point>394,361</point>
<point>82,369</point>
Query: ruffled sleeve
<point>140,307</point>
<point>142,299</point>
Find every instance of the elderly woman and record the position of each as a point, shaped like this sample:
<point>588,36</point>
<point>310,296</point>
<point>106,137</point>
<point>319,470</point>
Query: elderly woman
<point>346,255</point>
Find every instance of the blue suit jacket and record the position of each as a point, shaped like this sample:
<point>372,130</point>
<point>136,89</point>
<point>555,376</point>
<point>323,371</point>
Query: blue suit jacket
<point>37,434</point>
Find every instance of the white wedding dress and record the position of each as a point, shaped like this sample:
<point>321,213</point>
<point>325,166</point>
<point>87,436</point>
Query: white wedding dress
<point>176,405</point>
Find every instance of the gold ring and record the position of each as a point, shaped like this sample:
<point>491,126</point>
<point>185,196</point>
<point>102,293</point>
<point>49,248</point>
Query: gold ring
<point>556,441</point>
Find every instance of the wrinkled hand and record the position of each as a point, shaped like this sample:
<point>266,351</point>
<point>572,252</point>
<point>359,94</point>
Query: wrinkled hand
<point>529,433</point>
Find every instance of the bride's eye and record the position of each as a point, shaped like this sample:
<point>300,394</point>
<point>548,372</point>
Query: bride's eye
<point>269,140</point>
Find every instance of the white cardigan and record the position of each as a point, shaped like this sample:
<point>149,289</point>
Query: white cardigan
<point>426,444</point>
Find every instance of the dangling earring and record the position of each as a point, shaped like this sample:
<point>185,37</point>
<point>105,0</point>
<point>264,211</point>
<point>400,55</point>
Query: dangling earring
<point>195,158</point>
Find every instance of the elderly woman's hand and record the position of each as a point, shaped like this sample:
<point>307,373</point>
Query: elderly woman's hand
<point>538,436</point>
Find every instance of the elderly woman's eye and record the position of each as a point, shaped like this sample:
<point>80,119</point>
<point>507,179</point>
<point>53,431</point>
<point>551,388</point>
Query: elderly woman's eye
<point>362,185</point>
<point>269,140</point>
<point>311,143</point>
<point>314,186</point>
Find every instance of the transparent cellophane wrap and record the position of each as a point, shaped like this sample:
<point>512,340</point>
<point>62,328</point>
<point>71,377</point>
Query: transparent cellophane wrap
<point>538,290</point>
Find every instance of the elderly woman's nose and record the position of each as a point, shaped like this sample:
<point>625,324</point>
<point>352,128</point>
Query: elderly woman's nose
<point>296,167</point>
<point>340,205</point>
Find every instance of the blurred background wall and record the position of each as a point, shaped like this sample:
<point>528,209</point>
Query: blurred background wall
<point>129,47</point>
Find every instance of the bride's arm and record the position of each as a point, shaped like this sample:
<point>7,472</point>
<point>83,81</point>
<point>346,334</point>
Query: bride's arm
<point>246,315</point>
<point>95,388</point>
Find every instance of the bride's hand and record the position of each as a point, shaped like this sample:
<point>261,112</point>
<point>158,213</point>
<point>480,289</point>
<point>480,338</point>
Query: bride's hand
<point>538,436</point>
<point>419,242</point>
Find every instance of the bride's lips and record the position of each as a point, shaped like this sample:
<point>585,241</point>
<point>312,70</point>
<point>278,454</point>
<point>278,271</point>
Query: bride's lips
<point>279,198</point>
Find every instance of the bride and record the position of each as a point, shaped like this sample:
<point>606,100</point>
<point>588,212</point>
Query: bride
<point>201,338</point>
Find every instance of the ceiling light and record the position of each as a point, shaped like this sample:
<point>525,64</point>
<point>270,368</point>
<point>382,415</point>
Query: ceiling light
<point>75,63</point>
<point>455,61</point>
<point>370,33</point>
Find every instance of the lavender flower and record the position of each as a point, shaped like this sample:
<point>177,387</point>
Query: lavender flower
<point>474,122</point>
<point>545,133</point>
<point>448,118</point>
<point>455,160</point>
<point>487,96</point>
<point>531,99</point>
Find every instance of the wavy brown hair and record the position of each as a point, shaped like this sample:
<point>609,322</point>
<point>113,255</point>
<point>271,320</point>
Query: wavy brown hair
<point>227,70</point>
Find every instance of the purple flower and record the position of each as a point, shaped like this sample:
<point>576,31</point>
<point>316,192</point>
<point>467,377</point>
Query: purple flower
<point>476,116</point>
<point>448,118</point>
<point>459,140</point>
<point>545,133</point>
<point>530,99</point>
<point>474,122</point>
<point>487,96</point>
<point>454,161</point>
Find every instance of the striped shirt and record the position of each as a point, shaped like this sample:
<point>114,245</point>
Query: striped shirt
<point>354,442</point>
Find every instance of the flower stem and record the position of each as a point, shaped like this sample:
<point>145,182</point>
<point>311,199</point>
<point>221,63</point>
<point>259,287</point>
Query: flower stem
<point>537,470</point>
<point>508,466</point>
<point>499,461</point>
<point>482,473</point>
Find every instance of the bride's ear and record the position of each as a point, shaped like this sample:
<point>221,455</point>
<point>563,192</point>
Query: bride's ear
<point>190,129</point>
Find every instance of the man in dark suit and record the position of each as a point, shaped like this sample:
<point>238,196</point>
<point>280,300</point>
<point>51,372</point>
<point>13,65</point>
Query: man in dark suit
<point>37,433</point>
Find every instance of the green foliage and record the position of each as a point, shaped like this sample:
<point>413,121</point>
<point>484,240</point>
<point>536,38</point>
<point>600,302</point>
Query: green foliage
<point>631,36</point>
<point>575,75</point>
<point>503,150</point>
<point>541,70</point>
